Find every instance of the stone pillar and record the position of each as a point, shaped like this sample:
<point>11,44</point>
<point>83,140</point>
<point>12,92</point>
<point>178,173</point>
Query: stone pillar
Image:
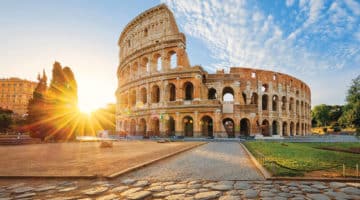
<point>178,125</point>
<point>237,125</point>
<point>280,128</point>
<point>197,127</point>
<point>217,123</point>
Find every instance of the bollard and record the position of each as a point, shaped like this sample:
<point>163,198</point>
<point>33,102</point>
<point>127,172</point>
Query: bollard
<point>343,170</point>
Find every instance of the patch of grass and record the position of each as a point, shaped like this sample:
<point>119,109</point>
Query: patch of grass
<point>295,159</point>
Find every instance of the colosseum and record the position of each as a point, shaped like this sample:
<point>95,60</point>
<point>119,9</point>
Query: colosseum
<point>160,94</point>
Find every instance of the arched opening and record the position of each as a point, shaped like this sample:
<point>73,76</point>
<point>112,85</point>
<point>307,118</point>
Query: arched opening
<point>265,88</point>
<point>265,128</point>
<point>158,63</point>
<point>297,106</point>
<point>283,103</point>
<point>275,103</point>
<point>291,104</point>
<point>132,127</point>
<point>173,59</point>
<point>134,71</point>
<point>229,126</point>
<point>188,125</point>
<point>284,129</point>
<point>302,128</point>
<point>254,99</point>
<point>155,94</point>
<point>133,98</point>
<point>189,91</point>
<point>172,92</point>
<point>155,127</point>
<point>145,65</point>
<point>275,130</point>
<point>297,129</point>
<point>171,127</point>
<point>292,128</point>
<point>245,127</point>
<point>212,94</point>
<point>142,127</point>
<point>207,126</point>
<point>228,94</point>
<point>143,95</point>
<point>265,102</point>
<point>145,32</point>
<point>244,98</point>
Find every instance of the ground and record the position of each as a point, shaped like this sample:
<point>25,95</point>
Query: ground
<point>307,159</point>
<point>81,159</point>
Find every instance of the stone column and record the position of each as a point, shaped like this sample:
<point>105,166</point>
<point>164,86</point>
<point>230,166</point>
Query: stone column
<point>196,123</point>
<point>178,123</point>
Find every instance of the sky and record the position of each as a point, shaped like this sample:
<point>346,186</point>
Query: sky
<point>317,41</point>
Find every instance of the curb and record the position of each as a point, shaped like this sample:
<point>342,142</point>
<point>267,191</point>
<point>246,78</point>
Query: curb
<point>116,174</point>
<point>314,179</point>
<point>48,177</point>
<point>262,169</point>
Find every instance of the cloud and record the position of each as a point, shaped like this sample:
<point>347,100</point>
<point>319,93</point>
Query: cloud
<point>321,37</point>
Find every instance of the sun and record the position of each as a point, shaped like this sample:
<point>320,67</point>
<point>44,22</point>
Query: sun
<point>86,108</point>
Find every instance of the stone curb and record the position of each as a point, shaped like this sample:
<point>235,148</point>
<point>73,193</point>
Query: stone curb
<point>262,169</point>
<point>356,180</point>
<point>116,174</point>
<point>48,177</point>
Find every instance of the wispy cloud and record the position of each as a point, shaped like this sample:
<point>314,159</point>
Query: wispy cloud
<point>323,37</point>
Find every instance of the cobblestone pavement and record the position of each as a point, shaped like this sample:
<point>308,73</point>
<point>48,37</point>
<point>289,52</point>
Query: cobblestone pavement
<point>169,190</point>
<point>212,161</point>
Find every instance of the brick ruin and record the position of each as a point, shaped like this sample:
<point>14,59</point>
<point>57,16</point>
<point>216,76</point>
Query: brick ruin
<point>160,94</point>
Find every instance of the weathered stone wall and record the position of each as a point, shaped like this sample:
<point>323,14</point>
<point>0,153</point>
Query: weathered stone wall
<point>160,93</point>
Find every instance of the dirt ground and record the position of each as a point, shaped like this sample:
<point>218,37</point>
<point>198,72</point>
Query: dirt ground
<point>81,158</point>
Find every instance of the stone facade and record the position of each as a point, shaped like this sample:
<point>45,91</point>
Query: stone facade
<point>15,94</point>
<point>160,93</point>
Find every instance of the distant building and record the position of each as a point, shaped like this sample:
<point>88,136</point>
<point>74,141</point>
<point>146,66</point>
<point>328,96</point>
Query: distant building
<point>15,94</point>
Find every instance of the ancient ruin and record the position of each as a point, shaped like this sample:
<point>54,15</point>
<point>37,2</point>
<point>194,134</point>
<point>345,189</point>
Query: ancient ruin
<point>160,94</point>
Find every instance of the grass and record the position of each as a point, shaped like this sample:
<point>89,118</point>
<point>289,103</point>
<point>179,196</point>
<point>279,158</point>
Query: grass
<point>297,159</point>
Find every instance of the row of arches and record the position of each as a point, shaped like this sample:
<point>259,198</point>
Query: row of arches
<point>152,127</point>
<point>170,92</point>
<point>154,63</point>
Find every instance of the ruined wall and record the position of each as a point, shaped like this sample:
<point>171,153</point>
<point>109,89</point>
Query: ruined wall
<point>160,93</point>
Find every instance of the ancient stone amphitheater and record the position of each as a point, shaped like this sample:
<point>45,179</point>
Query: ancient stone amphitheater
<point>160,94</point>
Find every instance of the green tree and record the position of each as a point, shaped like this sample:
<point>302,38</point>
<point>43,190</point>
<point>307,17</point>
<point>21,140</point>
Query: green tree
<point>351,115</point>
<point>6,119</point>
<point>321,113</point>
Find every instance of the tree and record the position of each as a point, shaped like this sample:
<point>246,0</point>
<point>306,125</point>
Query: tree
<point>53,109</point>
<point>351,113</point>
<point>321,113</point>
<point>6,119</point>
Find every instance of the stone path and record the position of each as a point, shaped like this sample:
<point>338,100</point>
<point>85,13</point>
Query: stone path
<point>170,190</point>
<point>213,161</point>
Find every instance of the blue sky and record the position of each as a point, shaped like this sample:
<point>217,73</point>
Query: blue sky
<point>314,40</point>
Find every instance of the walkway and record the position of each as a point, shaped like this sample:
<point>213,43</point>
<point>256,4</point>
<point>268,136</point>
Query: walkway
<point>213,161</point>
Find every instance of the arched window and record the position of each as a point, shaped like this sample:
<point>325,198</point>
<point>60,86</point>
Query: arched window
<point>189,90</point>
<point>265,88</point>
<point>212,94</point>
<point>145,32</point>
<point>158,64</point>
<point>145,65</point>
<point>173,60</point>
<point>254,98</point>
<point>275,103</point>
<point>265,102</point>
<point>283,106</point>
<point>172,92</point>
<point>228,94</point>
<point>244,97</point>
<point>155,94</point>
<point>143,95</point>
